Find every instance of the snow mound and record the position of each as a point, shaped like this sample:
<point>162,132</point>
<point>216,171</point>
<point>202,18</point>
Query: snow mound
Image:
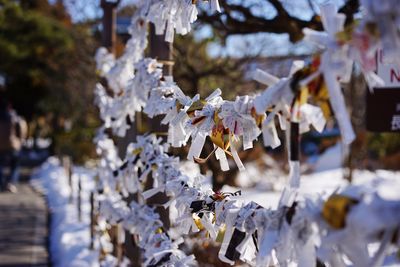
<point>69,237</point>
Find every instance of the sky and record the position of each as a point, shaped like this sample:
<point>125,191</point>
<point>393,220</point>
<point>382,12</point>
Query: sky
<point>88,9</point>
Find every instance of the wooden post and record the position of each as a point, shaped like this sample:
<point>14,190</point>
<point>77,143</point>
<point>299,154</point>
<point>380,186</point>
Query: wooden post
<point>70,182</point>
<point>79,200</point>
<point>132,250</point>
<point>67,165</point>
<point>120,243</point>
<point>92,220</point>
<point>162,51</point>
<point>348,163</point>
<point>109,36</point>
<point>294,142</point>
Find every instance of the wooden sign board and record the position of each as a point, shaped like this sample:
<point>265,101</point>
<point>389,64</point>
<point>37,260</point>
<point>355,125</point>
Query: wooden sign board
<point>383,104</point>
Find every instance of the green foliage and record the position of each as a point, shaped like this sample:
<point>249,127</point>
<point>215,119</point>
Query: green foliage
<point>383,144</point>
<point>197,72</point>
<point>31,47</point>
<point>49,68</point>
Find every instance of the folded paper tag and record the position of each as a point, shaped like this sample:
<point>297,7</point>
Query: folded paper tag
<point>197,146</point>
<point>221,156</point>
<point>270,135</point>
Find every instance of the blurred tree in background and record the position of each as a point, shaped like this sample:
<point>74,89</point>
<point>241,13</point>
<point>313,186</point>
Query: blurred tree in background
<point>197,72</point>
<point>50,72</point>
<point>33,49</point>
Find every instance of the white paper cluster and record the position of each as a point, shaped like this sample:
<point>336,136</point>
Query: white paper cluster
<point>255,235</point>
<point>236,116</point>
<point>119,72</point>
<point>375,219</point>
<point>169,15</point>
<point>293,233</point>
<point>138,219</point>
<point>335,65</point>
<point>178,15</point>
<point>339,55</point>
<point>278,98</point>
<point>141,88</point>
<point>109,159</point>
<point>131,92</point>
<point>147,76</point>
<point>143,221</point>
<point>118,112</point>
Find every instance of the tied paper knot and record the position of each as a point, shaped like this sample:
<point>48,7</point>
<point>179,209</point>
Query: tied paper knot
<point>170,15</point>
<point>238,118</point>
<point>334,64</point>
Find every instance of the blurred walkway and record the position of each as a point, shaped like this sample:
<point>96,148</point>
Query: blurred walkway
<point>23,228</point>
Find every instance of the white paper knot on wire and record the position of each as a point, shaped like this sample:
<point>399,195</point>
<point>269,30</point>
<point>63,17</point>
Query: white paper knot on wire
<point>171,15</point>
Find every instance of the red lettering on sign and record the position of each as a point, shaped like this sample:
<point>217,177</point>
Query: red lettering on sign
<point>394,74</point>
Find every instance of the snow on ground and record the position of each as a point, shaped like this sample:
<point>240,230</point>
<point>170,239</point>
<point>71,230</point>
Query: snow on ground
<point>323,183</point>
<point>253,175</point>
<point>326,178</point>
<point>267,184</point>
<point>332,158</point>
<point>69,237</point>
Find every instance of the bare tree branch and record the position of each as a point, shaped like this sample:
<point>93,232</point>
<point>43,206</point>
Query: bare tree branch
<point>227,23</point>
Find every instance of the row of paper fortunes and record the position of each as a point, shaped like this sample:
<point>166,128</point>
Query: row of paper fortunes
<point>137,84</point>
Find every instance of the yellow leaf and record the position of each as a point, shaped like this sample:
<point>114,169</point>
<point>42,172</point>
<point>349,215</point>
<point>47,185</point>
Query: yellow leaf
<point>221,234</point>
<point>219,134</point>
<point>335,210</point>
<point>303,96</point>
<point>136,151</point>
<point>258,118</point>
<point>198,222</point>
<point>197,105</point>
